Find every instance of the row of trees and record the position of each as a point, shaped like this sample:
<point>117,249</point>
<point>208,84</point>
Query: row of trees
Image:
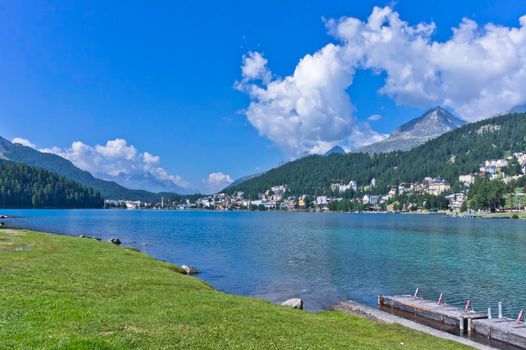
<point>346,205</point>
<point>403,202</point>
<point>419,201</point>
<point>486,194</point>
<point>22,186</point>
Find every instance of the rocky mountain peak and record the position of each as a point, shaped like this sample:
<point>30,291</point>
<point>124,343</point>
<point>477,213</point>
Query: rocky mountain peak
<point>417,131</point>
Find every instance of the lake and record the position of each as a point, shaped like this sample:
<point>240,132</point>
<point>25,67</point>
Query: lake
<point>320,257</point>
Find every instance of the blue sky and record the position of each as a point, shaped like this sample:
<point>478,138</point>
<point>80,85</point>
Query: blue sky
<point>161,75</point>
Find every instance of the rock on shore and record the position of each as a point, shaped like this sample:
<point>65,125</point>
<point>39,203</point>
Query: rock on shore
<point>115,241</point>
<point>190,270</point>
<point>295,303</point>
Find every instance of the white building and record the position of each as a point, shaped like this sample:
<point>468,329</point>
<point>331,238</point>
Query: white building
<point>321,200</point>
<point>404,187</point>
<point>352,185</point>
<point>455,200</point>
<point>488,170</point>
<point>132,204</point>
<point>438,186</point>
<point>279,189</point>
<point>238,195</point>
<point>467,179</point>
<point>370,199</point>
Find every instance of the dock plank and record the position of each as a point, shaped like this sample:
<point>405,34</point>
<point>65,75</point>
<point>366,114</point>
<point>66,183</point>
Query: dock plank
<point>503,333</point>
<point>445,317</point>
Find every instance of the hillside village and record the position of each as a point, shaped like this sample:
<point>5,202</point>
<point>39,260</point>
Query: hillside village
<point>431,193</point>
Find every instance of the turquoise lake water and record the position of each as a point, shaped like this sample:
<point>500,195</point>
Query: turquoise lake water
<point>320,257</point>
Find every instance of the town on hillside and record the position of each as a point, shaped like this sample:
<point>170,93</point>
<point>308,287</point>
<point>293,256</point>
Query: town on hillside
<point>499,185</point>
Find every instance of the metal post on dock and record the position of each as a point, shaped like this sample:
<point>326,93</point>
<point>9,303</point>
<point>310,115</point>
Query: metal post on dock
<point>500,309</point>
<point>467,305</point>
<point>470,325</point>
<point>416,293</point>
<point>489,313</point>
<point>519,318</point>
<point>440,298</point>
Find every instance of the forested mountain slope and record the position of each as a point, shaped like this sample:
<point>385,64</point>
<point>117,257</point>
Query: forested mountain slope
<point>63,167</point>
<point>457,152</point>
<point>23,186</point>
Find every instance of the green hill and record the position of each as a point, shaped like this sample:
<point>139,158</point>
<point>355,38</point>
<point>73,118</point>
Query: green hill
<point>63,167</point>
<point>457,152</point>
<point>22,186</point>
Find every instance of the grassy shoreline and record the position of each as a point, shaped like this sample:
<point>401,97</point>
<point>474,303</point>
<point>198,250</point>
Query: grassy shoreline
<point>63,292</point>
<point>516,215</point>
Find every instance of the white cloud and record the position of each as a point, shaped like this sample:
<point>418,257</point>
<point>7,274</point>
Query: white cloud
<point>115,158</point>
<point>117,149</point>
<point>363,135</point>
<point>150,159</point>
<point>217,181</point>
<point>478,72</point>
<point>255,67</point>
<point>306,112</point>
<point>374,117</point>
<point>23,142</point>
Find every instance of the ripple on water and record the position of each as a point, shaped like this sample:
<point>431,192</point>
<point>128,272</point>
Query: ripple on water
<point>322,258</point>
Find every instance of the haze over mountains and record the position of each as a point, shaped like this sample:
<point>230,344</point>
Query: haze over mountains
<point>430,125</point>
<point>147,182</point>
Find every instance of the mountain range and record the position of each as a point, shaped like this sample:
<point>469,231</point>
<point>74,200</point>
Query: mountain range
<point>415,132</point>
<point>430,125</point>
<point>147,182</point>
<point>51,162</point>
<point>454,153</point>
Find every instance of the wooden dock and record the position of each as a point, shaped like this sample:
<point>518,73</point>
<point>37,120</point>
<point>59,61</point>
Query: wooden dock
<point>502,333</point>
<point>444,317</point>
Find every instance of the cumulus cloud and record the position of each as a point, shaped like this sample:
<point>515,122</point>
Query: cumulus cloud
<point>255,67</point>
<point>23,142</point>
<point>306,112</point>
<point>364,135</point>
<point>479,72</point>
<point>115,158</point>
<point>217,181</point>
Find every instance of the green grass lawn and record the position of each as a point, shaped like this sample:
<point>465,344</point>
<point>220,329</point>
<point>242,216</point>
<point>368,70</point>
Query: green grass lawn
<point>61,292</point>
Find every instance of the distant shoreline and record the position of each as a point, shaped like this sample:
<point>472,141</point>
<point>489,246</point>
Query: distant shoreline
<point>514,215</point>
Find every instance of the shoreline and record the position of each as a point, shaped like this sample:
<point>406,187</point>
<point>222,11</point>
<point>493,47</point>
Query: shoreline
<point>343,306</point>
<point>376,315</point>
<point>521,214</point>
<point>98,268</point>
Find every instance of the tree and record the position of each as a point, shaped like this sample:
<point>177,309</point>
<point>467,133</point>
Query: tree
<point>468,145</point>
<point>486,194</point>
<point>464,206</point>
<point>23,186</point>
